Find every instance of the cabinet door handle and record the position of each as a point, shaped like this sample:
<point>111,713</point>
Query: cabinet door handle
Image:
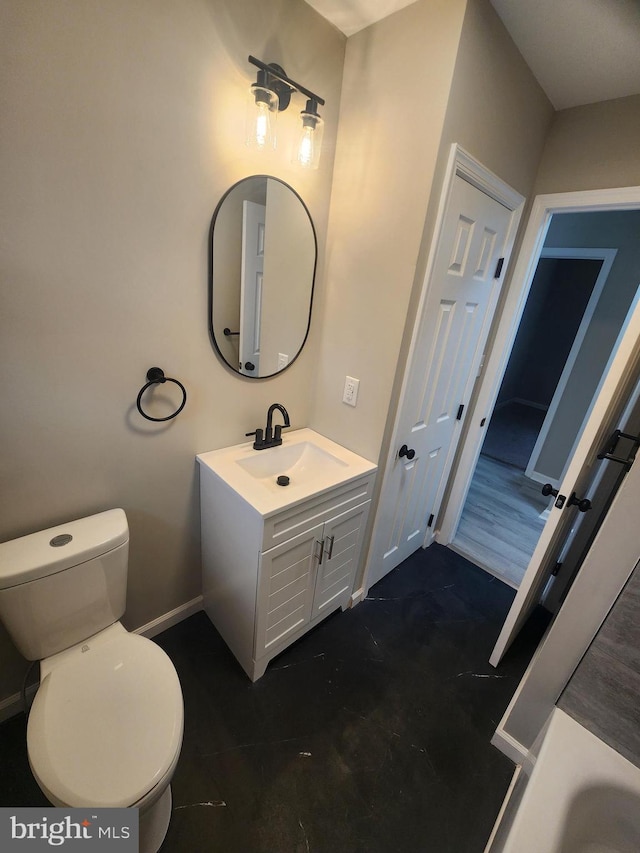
<point>329,552</point>
<point>318,553</point>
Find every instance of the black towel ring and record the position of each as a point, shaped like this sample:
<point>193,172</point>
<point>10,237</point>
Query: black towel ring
<point>156,376</point>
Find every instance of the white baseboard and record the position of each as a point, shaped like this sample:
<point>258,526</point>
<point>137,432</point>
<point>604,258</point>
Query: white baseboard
<point>357,596</point>
<point>168,620</point>
<point>509,746</point>
<point>12,705</point>
<point>529,403</point>
<point>522,402</point>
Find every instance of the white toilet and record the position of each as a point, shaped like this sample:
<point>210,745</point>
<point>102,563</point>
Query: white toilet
<point>106,724</point>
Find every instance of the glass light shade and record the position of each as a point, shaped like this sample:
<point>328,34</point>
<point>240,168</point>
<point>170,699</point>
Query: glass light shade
<point>307,151</point>
<point>262,112</point>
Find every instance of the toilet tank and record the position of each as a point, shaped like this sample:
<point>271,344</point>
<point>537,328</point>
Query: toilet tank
<point>62,585</point>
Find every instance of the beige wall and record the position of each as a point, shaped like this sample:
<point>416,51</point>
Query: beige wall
<point>396,85</point>
<point>393,145</point>
<point>494,108</point>
<point>497,110</point>
<point>501,116</point>
<point>123,124</point>
<point>592,147</point>
<point>122,128</point>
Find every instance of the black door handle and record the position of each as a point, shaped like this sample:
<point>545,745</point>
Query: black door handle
<point>583,504</point>
<point>548,489</point>
<point>405,451</point>
<point>249,365</point>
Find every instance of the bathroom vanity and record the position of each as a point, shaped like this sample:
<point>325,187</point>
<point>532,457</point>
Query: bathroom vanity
<point>277,559</point>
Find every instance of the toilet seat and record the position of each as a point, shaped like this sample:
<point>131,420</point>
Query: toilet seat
<point>106,724</point>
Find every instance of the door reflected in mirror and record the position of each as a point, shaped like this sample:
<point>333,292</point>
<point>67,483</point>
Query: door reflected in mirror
<point>263,261</point>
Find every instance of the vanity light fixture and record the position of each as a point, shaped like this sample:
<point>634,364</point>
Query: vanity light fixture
<point>270,94</point>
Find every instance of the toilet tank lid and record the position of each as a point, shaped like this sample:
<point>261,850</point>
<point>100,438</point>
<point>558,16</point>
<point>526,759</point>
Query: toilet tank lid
<point>49,551</point>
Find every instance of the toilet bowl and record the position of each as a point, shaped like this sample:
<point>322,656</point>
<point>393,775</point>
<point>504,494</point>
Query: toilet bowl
<point>105,727</point>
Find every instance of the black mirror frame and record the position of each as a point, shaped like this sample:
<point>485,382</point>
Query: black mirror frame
<point>210,283</point>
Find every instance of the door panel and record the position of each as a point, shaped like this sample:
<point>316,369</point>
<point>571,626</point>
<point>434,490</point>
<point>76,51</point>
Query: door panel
<point>576,480</point>
<point>444,364</point>
<point>342,545</point>
<point>253,232</point>
<point>603,488</point>
<point>285,593</point>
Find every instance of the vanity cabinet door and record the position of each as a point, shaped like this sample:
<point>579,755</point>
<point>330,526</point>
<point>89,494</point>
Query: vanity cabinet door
<point>285,593</point>
<point>342,545</point>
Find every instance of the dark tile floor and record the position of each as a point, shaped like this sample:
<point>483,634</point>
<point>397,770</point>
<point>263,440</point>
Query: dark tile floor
<point>369,735</point>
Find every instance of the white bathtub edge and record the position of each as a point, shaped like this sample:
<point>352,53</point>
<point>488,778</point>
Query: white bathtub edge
<point>503,807</point>
<point>570,759</point>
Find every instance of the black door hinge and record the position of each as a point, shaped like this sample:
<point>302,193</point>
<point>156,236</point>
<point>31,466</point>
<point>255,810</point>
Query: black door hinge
<point>556,569</point>
<point>460,411</point>
<point>498,268</point>
<point>430,522</point>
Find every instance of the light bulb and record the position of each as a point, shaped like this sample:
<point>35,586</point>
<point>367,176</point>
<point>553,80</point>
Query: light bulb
<point>263,125</point>
<point>307,152</point>
<point>306,147</point>
<point>262,111</point>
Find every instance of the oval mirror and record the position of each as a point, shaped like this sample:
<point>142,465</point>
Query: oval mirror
<point>263,262</point>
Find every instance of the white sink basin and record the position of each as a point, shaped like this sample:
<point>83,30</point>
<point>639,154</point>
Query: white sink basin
<point>299,462</point>
<point>312,463</point>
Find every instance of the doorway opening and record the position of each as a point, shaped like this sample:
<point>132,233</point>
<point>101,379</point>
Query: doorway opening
<point>607,210</point>
<point>580,300</point>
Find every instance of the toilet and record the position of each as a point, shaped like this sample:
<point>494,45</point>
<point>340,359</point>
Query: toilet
<point>105,727</point>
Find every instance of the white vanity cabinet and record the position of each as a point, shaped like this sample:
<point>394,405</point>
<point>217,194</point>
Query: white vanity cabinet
<point>305,578</point>
<point>269,576</point>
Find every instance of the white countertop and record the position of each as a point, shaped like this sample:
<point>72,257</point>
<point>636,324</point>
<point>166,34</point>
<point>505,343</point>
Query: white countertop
<point>313,463</point>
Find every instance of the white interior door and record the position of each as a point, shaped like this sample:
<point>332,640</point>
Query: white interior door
<point>252,274</point>
<point>574,482</point>
<point>606,481</point>
<point>448,344</point>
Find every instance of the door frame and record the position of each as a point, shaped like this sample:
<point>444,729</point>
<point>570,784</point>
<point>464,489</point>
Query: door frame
<point>583,611</point>
<point>517,291</point>
<point>251,285</point>
<point>607,256</point>
<point>460,163</point>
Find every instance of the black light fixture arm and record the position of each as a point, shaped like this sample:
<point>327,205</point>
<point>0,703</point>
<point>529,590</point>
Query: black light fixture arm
<point>277,72</point>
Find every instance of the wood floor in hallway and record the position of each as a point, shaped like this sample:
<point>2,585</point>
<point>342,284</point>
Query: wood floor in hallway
<point>501,521</point>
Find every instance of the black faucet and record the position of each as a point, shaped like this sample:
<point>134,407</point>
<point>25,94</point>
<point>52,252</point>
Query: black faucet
<point>271,437</point>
